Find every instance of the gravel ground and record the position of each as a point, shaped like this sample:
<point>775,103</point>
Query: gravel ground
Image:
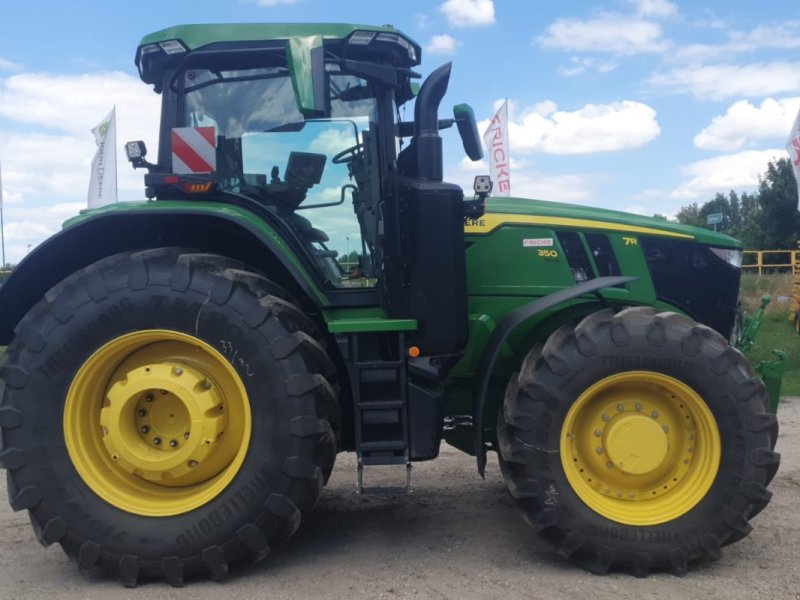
<point>456,537</point>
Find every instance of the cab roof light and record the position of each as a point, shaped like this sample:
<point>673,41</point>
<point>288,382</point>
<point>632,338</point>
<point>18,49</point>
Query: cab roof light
<point>361,38</point>
<point>172,47</point>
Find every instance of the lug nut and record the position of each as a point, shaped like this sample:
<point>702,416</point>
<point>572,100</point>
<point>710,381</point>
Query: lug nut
<point>178,371</point>
<point>186,435</point>
<point>621,407</point>
<point>605,417</point>
<point>599,450</point>
<point>156,440</point>
<point>149,398</point>
<point>610,465</point>
<point>598,433</point>
<point>638,406</point>
<point>142,412</point>
<point>192,463</point>
<point>654,414</point>
<point>665,428</point>
<point>144,429</point>
<point>207,385</point>
<point>173,443</point>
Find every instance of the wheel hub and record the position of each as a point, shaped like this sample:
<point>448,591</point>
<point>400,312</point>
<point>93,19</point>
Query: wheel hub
<point>640,447</point>
<point>161,421</point>
<point>636,444</point>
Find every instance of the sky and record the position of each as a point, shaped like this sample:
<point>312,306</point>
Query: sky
<point>637,105</point>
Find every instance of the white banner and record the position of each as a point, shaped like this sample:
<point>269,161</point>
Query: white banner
<point>793,148</point>
<point>103,183</point>
<point>496,140</point>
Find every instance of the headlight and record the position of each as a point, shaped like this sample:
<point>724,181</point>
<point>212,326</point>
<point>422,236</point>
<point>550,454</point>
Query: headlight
<point>732,256</point>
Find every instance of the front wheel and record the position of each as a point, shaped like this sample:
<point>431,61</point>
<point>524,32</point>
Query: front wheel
<point>165,414</point>
<point>637,441</point>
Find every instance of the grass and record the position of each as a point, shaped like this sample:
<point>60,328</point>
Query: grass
<point>777,331</point>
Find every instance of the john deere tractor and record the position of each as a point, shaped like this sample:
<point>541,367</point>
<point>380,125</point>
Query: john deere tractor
<point>182,371</point>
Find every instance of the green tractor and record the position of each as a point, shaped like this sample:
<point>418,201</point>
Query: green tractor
<point>181,372</point>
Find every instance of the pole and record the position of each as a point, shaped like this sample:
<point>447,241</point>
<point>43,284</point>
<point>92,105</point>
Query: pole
<point>2,224</point>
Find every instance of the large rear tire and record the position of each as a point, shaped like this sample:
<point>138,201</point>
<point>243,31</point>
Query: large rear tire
<point>166,414</point>
<point>637,441</point>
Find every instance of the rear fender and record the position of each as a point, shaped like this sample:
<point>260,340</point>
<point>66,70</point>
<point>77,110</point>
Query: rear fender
<point>238,236</point>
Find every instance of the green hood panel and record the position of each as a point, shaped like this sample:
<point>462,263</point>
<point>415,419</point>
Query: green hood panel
<point>572,215</point>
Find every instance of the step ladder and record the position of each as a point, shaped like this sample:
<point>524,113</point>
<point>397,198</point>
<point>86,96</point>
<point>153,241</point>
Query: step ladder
<point>381,410</point>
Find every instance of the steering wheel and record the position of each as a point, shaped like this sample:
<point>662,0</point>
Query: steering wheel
<point>347,155</point>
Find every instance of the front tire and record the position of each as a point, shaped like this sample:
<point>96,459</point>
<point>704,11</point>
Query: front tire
<point>637,441</point>
<point>165,414</point>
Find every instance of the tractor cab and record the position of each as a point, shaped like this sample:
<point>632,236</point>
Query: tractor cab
<point>302,122</point>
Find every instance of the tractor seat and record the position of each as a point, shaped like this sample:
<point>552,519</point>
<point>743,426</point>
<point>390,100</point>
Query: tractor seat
<point>306,230</point>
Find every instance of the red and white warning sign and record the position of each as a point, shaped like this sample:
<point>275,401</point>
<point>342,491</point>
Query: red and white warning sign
<point>194,150</point>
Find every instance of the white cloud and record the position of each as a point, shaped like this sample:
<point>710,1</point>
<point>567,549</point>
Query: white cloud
<point>744,122</point>
<point>422,21</point>
<point>607,33</point>
<point>332,141</point>
<point>580,64</point>
<point>718,82</point>
<point>654,8</point>
<point>468,13</point>
<point>782,36</point>
<point>442,44</point>
<point>7,65</point>
<point>593,128</point>
<point>722,173</point>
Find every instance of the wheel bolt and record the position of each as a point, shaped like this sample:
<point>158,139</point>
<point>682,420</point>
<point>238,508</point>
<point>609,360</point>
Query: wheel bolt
<point>610,465</point>
<point>186,435</point>
<point>149,398</point>
<point>666,428</point>
<point>621,407</point>
<point>654,414</point>
<point>173,443</point>
<point>605,417</point>
<point>156,440</point>
<point>599,450</point>
<point>192,463</point>
<point>142,412</point>
<point>178,371</point>
<point>598,433</point>
<point>144,429</point>
<point>638,406</point>
<point>207,385</point>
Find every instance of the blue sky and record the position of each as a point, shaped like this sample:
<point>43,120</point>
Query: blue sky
<point>638,105</point>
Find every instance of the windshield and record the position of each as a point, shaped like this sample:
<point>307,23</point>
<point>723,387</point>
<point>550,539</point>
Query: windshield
<point>314,173</point>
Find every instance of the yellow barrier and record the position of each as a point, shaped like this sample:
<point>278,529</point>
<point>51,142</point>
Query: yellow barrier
<point>761,264</point>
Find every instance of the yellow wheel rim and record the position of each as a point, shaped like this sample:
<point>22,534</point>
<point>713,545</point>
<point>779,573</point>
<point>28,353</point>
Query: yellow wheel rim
<point>640,448</point>
<point>157,423</point>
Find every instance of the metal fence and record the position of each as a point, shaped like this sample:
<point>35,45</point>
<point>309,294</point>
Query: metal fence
<point>772,261</point>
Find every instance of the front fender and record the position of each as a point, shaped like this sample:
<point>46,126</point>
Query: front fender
<point>504,329</point>
<point>124,227</point>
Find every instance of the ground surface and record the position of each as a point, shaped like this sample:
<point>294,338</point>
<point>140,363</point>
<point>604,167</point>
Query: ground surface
<point>456,537</point>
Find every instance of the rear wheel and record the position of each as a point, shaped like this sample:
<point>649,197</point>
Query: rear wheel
<point>165,414</point>
<point>637,440</point>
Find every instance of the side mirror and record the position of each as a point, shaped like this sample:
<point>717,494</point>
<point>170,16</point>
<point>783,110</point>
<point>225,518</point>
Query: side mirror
<point>306,60</point>
<point>468,130</point>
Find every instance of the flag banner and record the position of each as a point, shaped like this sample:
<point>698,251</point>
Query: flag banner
<point>194,150</point>
<point>793,148</point>
<point>103,183</point>
<point>496,140</point>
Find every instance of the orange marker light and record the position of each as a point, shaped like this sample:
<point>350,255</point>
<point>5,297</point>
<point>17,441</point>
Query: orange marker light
<point>413,352</point>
